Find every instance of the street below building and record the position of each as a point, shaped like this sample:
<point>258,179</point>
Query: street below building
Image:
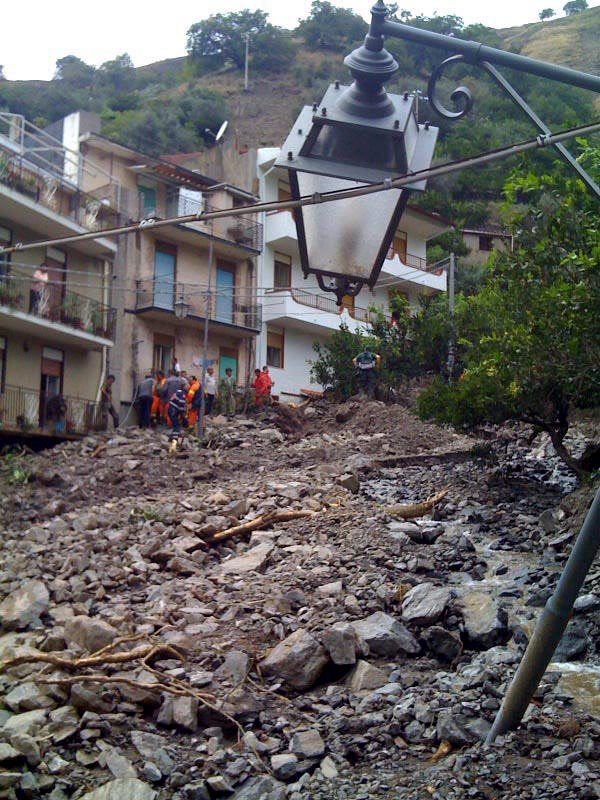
<point>323,602</point>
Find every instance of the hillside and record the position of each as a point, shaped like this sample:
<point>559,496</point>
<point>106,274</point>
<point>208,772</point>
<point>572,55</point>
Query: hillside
<point>166,107</point>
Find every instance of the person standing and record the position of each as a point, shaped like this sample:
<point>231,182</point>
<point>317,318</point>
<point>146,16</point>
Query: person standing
<point>193,408</point>
<point>106,403</point>
<point>227,392</point>
<point>158,410</point>
<point>258,399</point>
<point>38,295</point>
<point>210,390</point>
<point>145,398</point>
<point>367,363</point>
<point>267,383</point>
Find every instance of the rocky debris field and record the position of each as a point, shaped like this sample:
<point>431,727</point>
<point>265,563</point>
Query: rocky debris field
<point>323,647</point>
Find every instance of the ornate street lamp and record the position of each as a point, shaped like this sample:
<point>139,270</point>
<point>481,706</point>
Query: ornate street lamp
<point>360,134</point>
<point>180,307</point>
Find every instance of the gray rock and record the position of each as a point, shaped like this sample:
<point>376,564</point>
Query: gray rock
<point>328,768</point>
<point>120,766</point>
<point>586,603</point>
<point>484,621</point>
<point>235,667</point>
<point>459,729</point>
<point>90,633</point>
<point>573,645</point>
<point>425,603</point>
<point>86,699</point>
<point>366,676</point>
<point>258,788</point>
<point>444,644</point>
<point>385,636</point>
<point>333,589</point>
<point>185,713</point>
<point>298,660</point>
<point>28,746</point>
<point>8,754</point>
<point>28,723</point>
<point>151,772</point>
<point>349,481</point>
<point>27,697</point>
<point>253,561</point>
<point>307,744</point>
<point>341,643</point>
<point>284,766</point>
<point>219,786</point>
<point>122,789</point>
<point>23,607</point>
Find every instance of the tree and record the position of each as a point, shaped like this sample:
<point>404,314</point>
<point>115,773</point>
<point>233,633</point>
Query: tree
<point>117,76</point>
<point>331,28</point>
<point>221,37</point>
<point>547,13</point>
<point>273,49</point>
<point>74,71</point>
<point>575,7</point>
<point>531,337</point>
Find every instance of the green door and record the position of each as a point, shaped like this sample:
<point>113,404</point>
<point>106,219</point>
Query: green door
<point>227,362</point>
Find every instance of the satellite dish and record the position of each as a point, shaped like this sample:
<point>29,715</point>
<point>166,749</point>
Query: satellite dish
<point>221,131</point>
<point>219,134</point>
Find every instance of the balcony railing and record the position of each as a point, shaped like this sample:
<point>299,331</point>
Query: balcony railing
<point>52,302</point>
<point>31,411</point>
<point>321,303</point>
<point>90,211</point>
<point>236,307</point>
<point>241,230</point>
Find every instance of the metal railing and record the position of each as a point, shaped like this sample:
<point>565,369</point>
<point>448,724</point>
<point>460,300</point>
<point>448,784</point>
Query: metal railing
<point>321,303</point>
<point>237,307</point>
<point>90,211</point>
<point>31,411</point>
<point>240,230</point>
<point>19,291</point>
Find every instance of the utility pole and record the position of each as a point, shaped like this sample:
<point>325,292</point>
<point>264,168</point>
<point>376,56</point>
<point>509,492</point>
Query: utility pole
<point>451,354</point>
<point>205,343</point>
<point>551,626</point>
<point>246,63</point>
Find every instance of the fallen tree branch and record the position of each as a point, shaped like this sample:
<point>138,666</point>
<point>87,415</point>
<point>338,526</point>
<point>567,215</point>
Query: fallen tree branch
<point>106,679</point>
<point>260,522</point>
<point>141,653</point>
<point>414,510</point>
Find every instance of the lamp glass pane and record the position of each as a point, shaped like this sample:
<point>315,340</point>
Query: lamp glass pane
<point>344,236</point>
<point>365,148</point>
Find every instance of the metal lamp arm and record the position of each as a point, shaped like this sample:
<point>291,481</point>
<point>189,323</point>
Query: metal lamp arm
<point>475,53</point>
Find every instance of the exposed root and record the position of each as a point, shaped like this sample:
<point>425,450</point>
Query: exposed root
<point>258,523</point>
<point>414,510</point>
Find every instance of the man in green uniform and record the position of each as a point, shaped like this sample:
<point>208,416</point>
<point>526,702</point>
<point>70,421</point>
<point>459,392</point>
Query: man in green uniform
<point>367,363</point>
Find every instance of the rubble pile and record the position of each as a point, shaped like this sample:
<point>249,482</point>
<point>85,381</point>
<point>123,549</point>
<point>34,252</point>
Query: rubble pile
<point>253,619</point>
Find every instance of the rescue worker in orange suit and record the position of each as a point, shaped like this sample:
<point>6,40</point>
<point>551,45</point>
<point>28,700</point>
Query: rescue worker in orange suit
<point>192,411</point>
<point>159,400</point>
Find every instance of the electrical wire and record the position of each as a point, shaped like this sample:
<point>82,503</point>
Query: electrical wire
<point>542,140</point>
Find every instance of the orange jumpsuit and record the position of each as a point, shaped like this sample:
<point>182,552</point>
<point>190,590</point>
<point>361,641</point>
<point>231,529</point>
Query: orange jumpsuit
<point>159,407</point>
<point>192,412</point>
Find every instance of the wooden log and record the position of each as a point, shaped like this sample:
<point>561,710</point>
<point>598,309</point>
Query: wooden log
<point>414,510</point>
<point>258,523</point>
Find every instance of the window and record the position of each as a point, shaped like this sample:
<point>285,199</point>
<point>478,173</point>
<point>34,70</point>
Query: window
<point>275,347</point>
<point>486,242</point>
<point>147,196</point>
<point>239,202</point>
<point>162,354</point>
<point>5,240</point>
<point>282,271</point>
<point>165,258</point>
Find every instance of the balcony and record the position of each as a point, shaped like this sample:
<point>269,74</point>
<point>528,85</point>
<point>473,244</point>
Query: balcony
<point>241,232</point>
<point>306,311</point>
<point>30,412</point>
<point>55,314</point>
<point>280,232</point>
<point>36,198</point>
<point>408,268</point>
<point>236,310</point>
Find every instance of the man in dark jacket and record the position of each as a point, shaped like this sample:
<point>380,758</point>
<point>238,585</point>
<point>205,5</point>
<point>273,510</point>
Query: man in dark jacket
<point>145,397</point>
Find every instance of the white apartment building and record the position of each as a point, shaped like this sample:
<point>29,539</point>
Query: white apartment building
<point>297,313</point>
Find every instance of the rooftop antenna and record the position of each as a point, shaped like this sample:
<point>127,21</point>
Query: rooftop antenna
<point>216,137</point>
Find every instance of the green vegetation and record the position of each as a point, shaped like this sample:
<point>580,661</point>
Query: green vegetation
<point>546,13</point>
<point>575,7</point>
<point>530,339</point>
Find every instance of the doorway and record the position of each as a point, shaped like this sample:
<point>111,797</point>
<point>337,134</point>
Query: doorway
<point>228,360</point>
<point>225,291</point>
<point>51,379</point>
<point>52,302</point>
<point>165,256</point>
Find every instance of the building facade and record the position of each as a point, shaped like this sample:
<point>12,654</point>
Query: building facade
<point>481,242</point>
<point>297,313</point>
<point>57,326</point>
<point>169,280</point>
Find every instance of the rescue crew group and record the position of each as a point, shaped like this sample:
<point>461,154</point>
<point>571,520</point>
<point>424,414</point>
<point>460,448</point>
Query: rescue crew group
<point>175,400</point>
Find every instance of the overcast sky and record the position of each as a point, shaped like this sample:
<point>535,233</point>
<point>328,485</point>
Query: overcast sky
<point>39,32</point>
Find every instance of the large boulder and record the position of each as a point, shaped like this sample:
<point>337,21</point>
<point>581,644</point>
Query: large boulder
<point>485,623</point>
<point>366,676</point>
<point>297,661</point>
<point>385,636</point>
<point>254,560</point>
<point>23,607</point>
<point>90,633</point>
<point>442,643</point>
<point>341,643</point>
<point>424,604</point>
<point>122,789</point>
